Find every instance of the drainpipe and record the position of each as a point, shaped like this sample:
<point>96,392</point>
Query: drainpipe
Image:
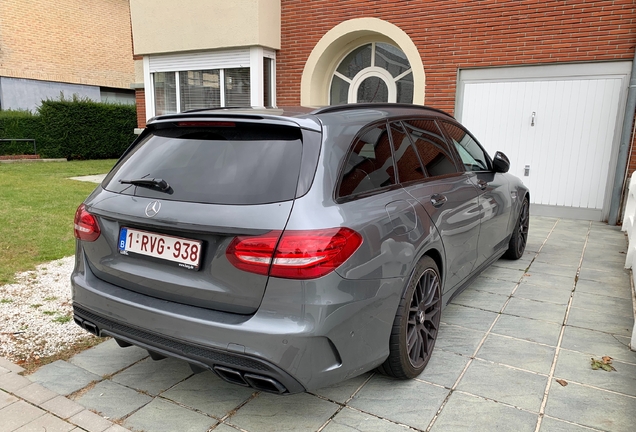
<point>623,150</point>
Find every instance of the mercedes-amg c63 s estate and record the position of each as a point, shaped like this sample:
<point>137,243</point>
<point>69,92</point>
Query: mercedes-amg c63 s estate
<point>288,250</point>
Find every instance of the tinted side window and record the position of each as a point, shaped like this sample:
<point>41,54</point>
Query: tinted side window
<point>369,164</point>
<point>473,156</point>
<point>408,164</point>
<point>431,147</point>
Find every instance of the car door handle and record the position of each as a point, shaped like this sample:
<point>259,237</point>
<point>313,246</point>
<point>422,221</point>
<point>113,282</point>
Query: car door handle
<point>438,200</point>
<point>482,184</point>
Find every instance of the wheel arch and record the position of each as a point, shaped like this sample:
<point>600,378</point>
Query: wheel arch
<point>437,257</point>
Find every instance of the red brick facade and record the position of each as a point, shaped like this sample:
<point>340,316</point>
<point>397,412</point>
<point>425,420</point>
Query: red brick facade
<point>140,98</point>
<point>453,34</point>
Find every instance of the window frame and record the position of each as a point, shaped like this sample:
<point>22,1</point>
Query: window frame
<point>450,141</point>
<point>450,149</point>
<point>251,58</point>
<point>370,71</point>
<point>341,170</point>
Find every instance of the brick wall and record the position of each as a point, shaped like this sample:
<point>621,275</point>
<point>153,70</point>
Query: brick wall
<point>73,41</point>
<point>452,34</point>
<point>140,98</point>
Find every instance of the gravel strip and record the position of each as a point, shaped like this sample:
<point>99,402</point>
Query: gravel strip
<point>36,318</point>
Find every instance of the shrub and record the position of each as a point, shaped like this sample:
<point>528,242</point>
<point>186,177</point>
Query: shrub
<point>83,129</point>
<point>72,129</point>
<point>19,125</point>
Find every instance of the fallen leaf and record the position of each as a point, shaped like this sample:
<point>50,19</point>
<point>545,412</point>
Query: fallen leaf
<point>604,363</point>
<point>562,382</point>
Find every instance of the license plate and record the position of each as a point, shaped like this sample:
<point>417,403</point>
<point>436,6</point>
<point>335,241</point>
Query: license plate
<point>182,251</point>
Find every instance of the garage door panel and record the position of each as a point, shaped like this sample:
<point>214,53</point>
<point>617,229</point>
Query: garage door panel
<point>569,147</point>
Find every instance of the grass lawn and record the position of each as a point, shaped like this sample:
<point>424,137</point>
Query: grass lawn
<point>37,205</point>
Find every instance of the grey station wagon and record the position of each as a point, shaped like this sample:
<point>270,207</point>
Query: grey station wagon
<point>290,250</point>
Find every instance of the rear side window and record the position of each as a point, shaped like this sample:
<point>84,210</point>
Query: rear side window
<point>233,164</point>
<point>431,147</point>
<point>369,164</point>
<point>473,156</point>
<point>407,162</point>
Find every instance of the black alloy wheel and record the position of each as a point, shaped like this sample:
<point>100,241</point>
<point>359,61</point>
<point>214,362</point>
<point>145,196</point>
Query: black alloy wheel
<point>416,323</point>
<point>519,239</point>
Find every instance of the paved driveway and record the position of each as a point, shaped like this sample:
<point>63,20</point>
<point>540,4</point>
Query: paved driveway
<point>502,346</point>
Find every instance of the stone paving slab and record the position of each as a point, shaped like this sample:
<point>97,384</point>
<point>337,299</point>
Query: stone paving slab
<point>62,407</point>
<point>6,399</point>
<point>349,420</point>
<point>154,377</point>
<point>469,317</point>
<point>592,407</point>
<point>471,413</point>
<point>343,391</point>
<point>494,286</point>
<point>63,377</point>
<point>528,329</point>
<point>113,400</point>
<point>18,414</point>
<point>504,384</point>
<point>410,403</point>
<point>163,416</point>
<point>35,393</point>
<point>108,358</point>
<point>444,368</point>
<point>517,353</point>
<point>605,321</point>
<point>208,393</point>
<point>489,370</point>
<point>603,304</point>
<point>90,421</point>
<point>459,340</point>
<point>46,423</point>
<point>267,413</point>
<point>574,366</point>
<point>597,343</point>
<point>530,291</point>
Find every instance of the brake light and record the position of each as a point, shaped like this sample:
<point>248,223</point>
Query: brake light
<point>86,226</point>
<point>206,124</point>
<point>299,254</point>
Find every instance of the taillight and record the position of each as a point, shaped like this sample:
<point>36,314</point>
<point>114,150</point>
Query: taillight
<point>299,254</point>
<point>86,226</point>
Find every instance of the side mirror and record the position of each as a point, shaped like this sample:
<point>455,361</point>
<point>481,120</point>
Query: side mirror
<point>501,163</point>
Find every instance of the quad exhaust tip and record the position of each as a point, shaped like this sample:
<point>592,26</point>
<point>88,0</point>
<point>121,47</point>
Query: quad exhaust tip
<point>86,325</point>
<point>259,382</point>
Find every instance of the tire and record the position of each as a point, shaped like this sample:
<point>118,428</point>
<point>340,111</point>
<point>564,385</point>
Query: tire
<point>517,244</point>
<point>416,323</point>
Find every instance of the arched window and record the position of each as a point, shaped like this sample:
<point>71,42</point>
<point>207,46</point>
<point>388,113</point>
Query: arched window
<point>375,72</point>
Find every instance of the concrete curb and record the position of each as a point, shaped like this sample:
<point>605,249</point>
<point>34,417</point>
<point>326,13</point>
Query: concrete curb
<point>32,160</point>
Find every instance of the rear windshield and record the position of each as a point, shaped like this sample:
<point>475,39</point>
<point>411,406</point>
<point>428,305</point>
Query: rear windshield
<point>233,164</point>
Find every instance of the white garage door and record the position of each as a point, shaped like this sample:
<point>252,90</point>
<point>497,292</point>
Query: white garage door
<point>559,125</point>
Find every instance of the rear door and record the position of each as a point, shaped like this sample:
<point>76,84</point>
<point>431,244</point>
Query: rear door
<point>430,175</point>
<point>213,181</point>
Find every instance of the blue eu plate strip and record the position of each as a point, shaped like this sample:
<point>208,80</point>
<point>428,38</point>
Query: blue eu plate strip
<point>122,239</point>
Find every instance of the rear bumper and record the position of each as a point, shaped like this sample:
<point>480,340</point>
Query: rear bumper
<point>305,335</point>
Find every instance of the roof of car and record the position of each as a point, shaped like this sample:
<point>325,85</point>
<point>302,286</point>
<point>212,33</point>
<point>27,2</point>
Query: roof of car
<point>306,117</point>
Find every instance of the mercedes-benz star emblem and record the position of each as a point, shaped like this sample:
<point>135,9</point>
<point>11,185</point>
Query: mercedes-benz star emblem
<point>153,208</point>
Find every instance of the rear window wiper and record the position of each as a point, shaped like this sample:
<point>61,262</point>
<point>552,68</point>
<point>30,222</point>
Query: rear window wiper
<point>160,184</point>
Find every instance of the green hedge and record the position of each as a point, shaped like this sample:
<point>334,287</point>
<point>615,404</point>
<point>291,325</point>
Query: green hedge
<point>19,125</point>
<point>72,129</point>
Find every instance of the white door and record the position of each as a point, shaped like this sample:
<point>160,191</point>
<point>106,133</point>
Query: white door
<point>558,131</point>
